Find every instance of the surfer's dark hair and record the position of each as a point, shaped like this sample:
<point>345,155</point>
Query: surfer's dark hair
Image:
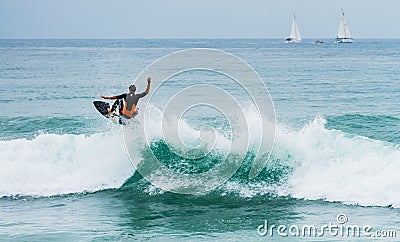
<point>132,88</point>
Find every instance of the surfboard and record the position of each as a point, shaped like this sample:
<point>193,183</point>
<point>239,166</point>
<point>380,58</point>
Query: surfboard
<point>103,108</point>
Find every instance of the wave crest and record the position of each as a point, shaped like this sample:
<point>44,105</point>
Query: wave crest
<point>311,163</point>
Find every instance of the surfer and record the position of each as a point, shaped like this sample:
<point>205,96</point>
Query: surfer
<point>127,109</point>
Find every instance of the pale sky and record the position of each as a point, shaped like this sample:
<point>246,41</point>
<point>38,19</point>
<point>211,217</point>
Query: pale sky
<point>195,19</point>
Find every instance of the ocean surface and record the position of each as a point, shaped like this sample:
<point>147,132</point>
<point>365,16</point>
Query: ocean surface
<point>65,174</point>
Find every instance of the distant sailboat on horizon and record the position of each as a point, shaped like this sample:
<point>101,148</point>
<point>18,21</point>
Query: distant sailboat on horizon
<point>294,32</point>
<point>344,35</point>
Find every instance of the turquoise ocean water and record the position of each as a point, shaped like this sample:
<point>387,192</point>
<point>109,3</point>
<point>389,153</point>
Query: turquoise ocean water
<point>64,173</point>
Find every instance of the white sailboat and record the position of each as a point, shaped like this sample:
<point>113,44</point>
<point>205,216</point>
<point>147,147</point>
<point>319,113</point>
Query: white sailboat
<point>344,35</point>
<point>294,32</point>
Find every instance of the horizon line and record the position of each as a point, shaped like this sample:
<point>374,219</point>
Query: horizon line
<point>187,38</point>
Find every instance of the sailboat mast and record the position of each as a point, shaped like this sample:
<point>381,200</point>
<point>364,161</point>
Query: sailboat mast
<point>344,24</point>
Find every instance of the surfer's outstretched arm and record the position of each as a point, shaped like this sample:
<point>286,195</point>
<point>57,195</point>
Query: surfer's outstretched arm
<point>108,97</point>
<point>114,97</point>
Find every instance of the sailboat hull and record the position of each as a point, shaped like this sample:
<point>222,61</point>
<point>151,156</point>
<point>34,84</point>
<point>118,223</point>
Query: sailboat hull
<point>343,40</point>
<point>289,40</point>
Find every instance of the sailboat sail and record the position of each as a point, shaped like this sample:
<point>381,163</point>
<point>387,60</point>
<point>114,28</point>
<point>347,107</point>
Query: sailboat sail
<point>344,35</point>
<point>344,31</point>
<point>294,32</point>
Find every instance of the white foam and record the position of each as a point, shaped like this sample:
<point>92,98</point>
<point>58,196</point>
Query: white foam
<point>54,164</point>
<point>335,166</point>
<point>331,165</point>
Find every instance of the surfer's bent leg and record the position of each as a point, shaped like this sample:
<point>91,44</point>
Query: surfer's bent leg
<point>114,106</point>
<point>121,105</point>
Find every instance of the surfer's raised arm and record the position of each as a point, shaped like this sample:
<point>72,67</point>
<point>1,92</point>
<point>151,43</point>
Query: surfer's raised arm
<point>148,85</point>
